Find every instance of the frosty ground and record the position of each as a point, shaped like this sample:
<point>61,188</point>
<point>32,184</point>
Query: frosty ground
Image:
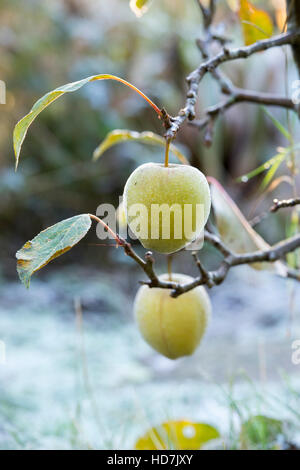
<point>101,386</point>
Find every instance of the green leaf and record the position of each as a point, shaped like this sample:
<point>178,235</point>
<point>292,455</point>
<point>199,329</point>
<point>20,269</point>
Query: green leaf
<point>271,165</point>
<point>278,124</point>
<point>179,435</point>
<point>265,166</point>
<point>49,244</point>
<point>260,432</point>
<point>269,176</point>
<point>139,7</point>
<point>118,136</point>
<point>22,126</point>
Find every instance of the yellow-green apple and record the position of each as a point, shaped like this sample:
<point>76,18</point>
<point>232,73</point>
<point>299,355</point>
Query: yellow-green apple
<point>166,207</point>
<point>172,326</point>
<point>121,217</point>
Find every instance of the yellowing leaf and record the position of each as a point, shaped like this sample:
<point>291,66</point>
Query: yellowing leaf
<point>179,435</point>
<point>256,23</point>
<point>235,230</point>
<point>49,244</point>
<point>139,7</point>
<point>118,136</point>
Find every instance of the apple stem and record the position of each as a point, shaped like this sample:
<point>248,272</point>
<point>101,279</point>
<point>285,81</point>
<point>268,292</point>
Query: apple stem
<point>170,259</point>
<point>167,153</point>
<point>113,234</point>
<point>137,90</point>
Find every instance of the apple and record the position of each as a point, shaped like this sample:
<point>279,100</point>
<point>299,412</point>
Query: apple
<point>121,216</point>
<point>172,326</point>
<point>166,206</point>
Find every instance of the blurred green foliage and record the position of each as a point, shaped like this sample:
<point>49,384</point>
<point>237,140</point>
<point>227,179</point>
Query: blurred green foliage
<point>47,44</point>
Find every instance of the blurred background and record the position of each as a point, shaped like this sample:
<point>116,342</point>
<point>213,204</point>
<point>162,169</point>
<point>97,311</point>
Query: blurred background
<point>77,373</point>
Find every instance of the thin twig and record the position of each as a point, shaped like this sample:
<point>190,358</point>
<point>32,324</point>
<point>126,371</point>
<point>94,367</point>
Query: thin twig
<point>284,203</point>
<point>208,278</point>
<point>216,277</point>
<point>173,124</point>
<point>244,96</point>
<point>211,64</point>
<point>212,278</point>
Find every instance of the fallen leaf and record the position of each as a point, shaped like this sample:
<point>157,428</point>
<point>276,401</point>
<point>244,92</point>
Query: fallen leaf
<point>179,435</point>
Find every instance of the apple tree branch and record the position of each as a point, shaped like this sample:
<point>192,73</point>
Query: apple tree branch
<point>211,64</point>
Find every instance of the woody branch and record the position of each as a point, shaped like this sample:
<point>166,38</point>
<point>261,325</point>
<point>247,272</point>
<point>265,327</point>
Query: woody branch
<point>211,65</point>
<point>208,278</point>
<point>235,96</point>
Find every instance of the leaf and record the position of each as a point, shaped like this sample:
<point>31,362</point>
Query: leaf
<point>256,23</point>
<point>271,172</point>
<point>278,124</point>
<point>265,166</point>
<point>118,136</point>
<point>139,7</point>
<point>271,165</point>
<point>260,432</point>
<point>22,126</point>
<point>179,435</point>
<point>49,244</point>
<point>235,230</point>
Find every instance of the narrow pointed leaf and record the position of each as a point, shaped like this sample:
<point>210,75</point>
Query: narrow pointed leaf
<point>278,124</point>
<point>264,167</point>
<point>118,136</point>
<point>271,172</point>
<point>235,230</point>
<point>22,126</point>
<point>49,244</point>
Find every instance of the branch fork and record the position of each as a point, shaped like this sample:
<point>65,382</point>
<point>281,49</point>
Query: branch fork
<point>211,65</point>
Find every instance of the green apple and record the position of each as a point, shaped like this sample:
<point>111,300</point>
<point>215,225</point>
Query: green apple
<point>166,207</point>
<point>172,326</point>
<point>121,216</point>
